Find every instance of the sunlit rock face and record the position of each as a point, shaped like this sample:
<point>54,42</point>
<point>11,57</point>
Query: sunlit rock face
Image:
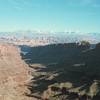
<point>13,74</point>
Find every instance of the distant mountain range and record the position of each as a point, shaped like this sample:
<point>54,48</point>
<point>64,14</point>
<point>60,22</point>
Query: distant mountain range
<point>42,38</point>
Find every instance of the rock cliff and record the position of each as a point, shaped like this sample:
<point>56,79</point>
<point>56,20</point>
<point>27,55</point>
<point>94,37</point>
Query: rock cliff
<point>13,74</point>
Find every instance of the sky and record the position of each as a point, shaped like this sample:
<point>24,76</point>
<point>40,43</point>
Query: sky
<point>50,15</point>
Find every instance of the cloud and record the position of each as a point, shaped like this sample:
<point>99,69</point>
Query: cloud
<point>20,4</point>
<point>91,3</point>
<point>15,4</point>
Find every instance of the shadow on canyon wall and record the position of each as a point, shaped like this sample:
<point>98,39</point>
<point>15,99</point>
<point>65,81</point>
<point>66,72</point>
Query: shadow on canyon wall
<point>75,64</point>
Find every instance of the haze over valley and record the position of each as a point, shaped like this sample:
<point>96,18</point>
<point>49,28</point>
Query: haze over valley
<point>35,38</point>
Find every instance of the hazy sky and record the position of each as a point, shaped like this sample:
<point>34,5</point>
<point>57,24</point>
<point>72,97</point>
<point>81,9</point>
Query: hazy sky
<point>50,15</point>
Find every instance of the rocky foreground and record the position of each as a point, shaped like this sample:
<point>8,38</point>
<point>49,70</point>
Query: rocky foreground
<point>14,74</point>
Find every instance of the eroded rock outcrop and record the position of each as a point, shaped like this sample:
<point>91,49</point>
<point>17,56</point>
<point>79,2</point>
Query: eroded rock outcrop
<point>13,74</point>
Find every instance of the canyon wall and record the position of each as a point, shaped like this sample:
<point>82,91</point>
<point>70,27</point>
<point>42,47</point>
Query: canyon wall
<point>14,74</point>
